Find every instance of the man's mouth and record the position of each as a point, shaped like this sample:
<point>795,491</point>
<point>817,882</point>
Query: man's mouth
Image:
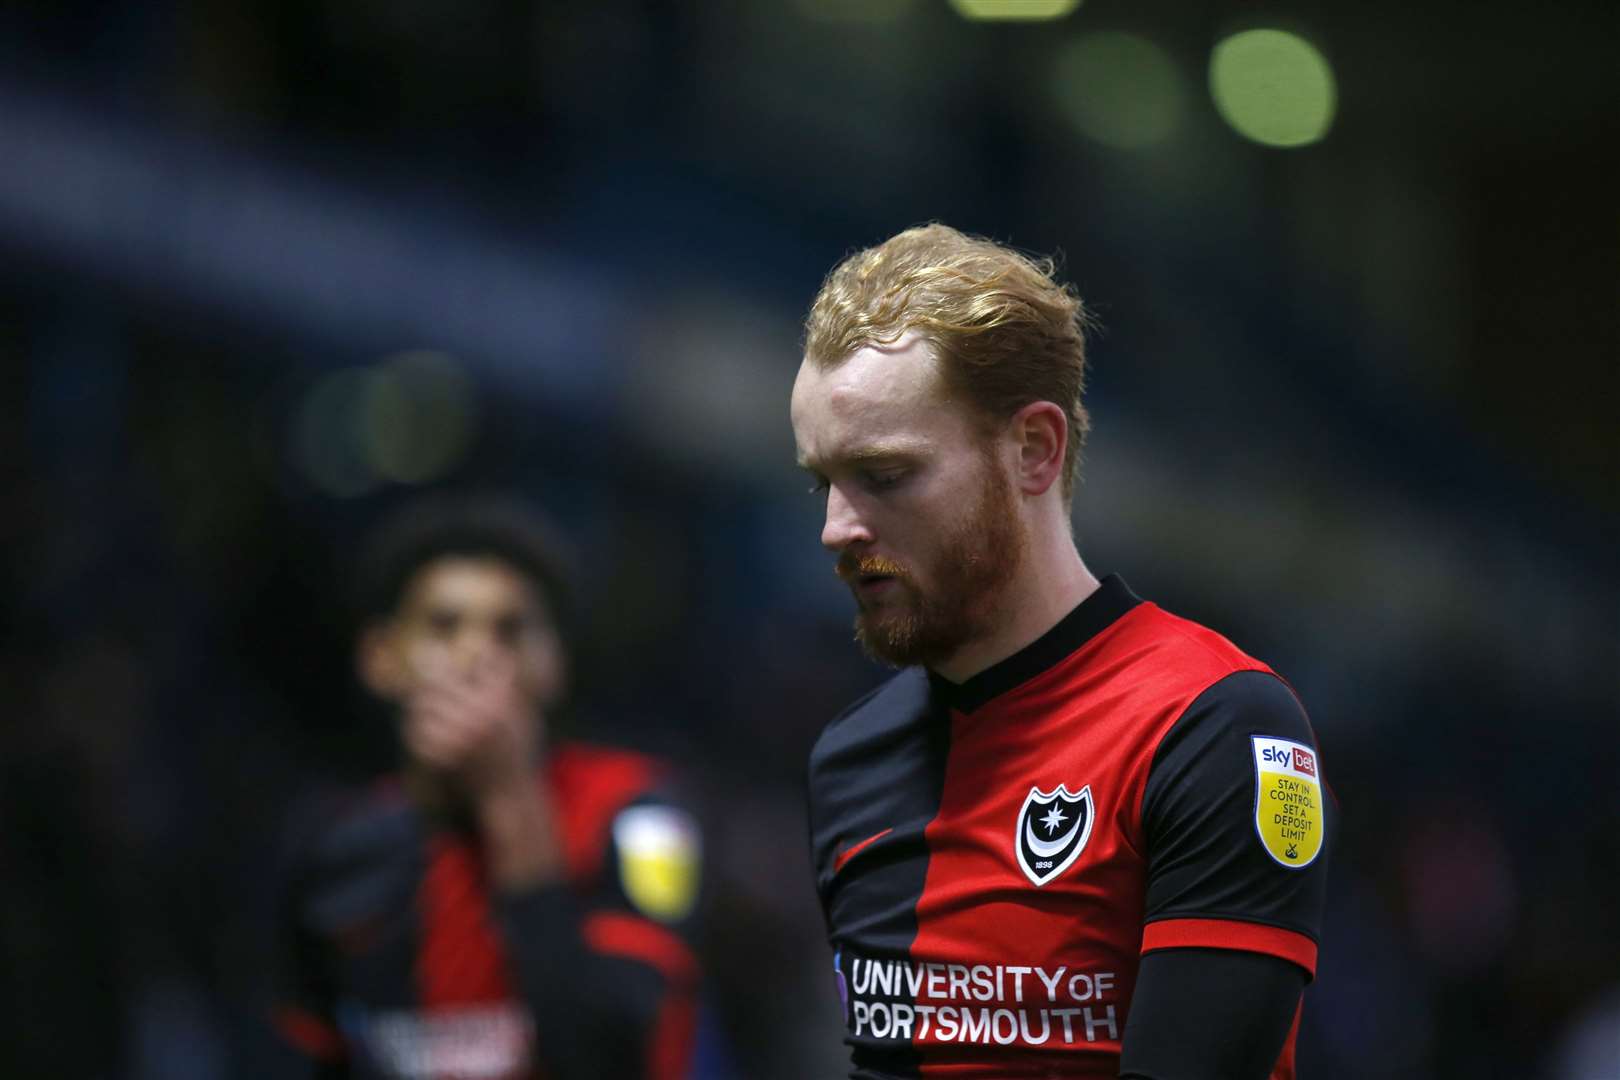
<point>874,583</point>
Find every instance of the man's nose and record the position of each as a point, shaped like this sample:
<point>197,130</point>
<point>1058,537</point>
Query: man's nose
<point>844,525</point>
<point>472,649</point>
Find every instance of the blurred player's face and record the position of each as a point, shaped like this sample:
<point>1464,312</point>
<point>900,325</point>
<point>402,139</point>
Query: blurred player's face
<point>920,510</point>
<point>456,614</point>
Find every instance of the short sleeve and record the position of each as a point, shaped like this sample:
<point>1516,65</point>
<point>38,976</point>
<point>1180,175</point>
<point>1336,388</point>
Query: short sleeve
<point>1238,823</point>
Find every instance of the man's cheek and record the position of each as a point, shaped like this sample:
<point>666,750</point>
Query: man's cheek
<point>427,657</point>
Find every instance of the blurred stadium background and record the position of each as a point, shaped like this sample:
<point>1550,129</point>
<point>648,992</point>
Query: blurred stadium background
<point>269,267</point>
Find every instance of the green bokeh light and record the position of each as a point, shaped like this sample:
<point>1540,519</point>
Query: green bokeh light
<point>408,420</point>
<point>417,416</point>
<point>1118,88</point>
<point>1273,87</point>
<point>1013,10</point>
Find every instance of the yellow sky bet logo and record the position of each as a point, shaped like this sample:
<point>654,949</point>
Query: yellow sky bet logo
<point>659,858</point>
<point>1288,800</point>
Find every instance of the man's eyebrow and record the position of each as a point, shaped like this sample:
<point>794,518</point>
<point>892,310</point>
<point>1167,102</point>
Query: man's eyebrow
<point>881,451</point>
<point>865,454</point>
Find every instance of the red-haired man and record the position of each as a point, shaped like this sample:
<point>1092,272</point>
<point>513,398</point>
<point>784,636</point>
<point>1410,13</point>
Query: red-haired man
<point>1078,836</point>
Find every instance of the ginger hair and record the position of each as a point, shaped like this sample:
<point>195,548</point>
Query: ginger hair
<point>1003,330</point>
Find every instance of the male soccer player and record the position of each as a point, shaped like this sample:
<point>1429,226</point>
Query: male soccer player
<point>1077,836</point>
<point>512,905</point>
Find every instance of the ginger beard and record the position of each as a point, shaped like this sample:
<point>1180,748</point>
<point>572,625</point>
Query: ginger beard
<point>966,576</point>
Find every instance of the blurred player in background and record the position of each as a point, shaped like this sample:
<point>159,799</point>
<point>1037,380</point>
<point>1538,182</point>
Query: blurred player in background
<point>1078,836</point>
<point>509,905</point>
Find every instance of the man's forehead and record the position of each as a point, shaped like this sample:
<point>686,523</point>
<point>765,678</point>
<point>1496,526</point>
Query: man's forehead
<point>904,367</point>
<point>457,580</point>
<point>876,390</point>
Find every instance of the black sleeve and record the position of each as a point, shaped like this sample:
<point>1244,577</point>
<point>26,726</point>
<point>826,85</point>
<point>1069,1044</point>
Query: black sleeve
<point>1238,825</point>
<point>302,1009</point>
<point>1209,1014</point>
<point>600,969</point>
<point>303,1015</point>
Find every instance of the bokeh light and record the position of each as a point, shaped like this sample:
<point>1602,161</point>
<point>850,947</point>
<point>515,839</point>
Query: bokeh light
<point>326,445</point>
<point>419,414</point>
<point>1013,10</point>
<point>1118,88</point>
<point>407,420</point>
<point>1273,87</point>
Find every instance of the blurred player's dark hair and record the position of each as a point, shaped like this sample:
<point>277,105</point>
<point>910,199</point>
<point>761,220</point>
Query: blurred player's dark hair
<point>472,526</point>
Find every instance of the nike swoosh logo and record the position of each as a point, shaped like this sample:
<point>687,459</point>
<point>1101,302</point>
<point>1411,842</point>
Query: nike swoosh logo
<point>848,853</point>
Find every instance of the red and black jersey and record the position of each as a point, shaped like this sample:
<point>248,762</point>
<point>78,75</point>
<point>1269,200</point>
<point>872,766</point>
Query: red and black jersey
<point>404,963</point>
<point>993,858</point>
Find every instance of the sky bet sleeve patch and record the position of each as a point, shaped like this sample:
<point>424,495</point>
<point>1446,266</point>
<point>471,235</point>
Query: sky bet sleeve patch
<point>659,854</point>
<point>1288,800</point>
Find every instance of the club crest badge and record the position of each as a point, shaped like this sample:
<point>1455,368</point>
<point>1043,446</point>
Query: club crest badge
<point>1052,830</point>
<point>1287,800</point>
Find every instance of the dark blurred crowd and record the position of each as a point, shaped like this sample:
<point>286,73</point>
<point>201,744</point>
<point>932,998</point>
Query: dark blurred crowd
<point>267,270</point>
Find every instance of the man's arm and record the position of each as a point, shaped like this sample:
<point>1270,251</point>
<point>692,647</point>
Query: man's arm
<point>610,990</point>
<point>301,1010</point>
<point>1209,1014</point>
<point>321,1056</point>
<point>613,992</point>
<point>1237,823</point>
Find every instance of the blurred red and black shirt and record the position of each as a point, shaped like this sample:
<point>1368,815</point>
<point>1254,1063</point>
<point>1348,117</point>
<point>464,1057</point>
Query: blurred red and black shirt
<point>402,962</point>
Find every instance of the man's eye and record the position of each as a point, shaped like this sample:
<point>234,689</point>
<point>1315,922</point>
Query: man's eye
<point>819,487</point>
<point>882,481</point>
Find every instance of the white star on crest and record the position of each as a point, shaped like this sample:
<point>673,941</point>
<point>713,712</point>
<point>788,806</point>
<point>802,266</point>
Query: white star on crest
<point>1053,819</point>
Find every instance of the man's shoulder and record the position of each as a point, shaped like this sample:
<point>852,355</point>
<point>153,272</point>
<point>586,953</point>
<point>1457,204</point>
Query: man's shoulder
<point>1185,656</point>
<point>595,764</point>
<point>350,851</point>
<point>614,799</point>
<point>886,712</point>
<point>332,821</point>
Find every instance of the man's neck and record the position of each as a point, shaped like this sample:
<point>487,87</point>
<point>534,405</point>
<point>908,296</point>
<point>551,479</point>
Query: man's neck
<point>1051,585</point>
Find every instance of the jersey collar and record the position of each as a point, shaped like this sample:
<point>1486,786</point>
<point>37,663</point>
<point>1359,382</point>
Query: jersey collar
<point>1090,617</point>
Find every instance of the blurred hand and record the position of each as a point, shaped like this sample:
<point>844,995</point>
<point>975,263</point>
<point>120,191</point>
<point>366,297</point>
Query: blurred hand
<point>474,726</point>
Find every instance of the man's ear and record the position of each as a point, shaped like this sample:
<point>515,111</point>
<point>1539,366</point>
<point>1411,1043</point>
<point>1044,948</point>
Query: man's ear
<point>1041,430</point>
<point>378,663</point>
